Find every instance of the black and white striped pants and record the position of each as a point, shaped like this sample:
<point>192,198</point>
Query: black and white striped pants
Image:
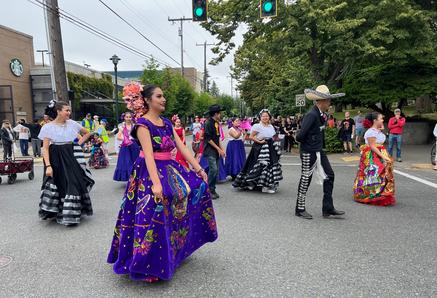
<point>308,163</point>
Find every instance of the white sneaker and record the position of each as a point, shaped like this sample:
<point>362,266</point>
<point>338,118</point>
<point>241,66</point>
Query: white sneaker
<point>268,190</point>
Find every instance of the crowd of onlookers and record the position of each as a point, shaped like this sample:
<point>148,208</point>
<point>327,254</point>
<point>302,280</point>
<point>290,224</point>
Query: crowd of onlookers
<point>22,133</point>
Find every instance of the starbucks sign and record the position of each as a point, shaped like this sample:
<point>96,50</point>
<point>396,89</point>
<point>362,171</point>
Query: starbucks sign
<point>16,67</point>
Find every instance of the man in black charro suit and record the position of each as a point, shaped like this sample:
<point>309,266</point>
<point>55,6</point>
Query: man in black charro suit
<point>314,160</point>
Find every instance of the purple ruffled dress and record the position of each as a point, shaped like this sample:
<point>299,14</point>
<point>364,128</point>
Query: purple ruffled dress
<point>152,237</point>
<point>129,152</point>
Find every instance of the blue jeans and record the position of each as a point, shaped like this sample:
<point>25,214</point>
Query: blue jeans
<point>24,146</point>
<point>213,164</point>
<point>398,140</point>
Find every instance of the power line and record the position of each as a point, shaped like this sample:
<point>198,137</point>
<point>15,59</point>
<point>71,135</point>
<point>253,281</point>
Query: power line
<point>142,18</point>
<point>139,32</point>
<point>98,32</point>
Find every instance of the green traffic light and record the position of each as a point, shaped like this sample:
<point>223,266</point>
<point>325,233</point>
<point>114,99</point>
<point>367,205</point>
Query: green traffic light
<point>198,12</point>
<point>268,6</point>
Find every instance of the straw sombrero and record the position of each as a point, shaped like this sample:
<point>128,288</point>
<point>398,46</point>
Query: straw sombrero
<point>320,93</point>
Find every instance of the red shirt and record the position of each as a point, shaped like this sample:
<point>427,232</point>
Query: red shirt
<point>396,126</point>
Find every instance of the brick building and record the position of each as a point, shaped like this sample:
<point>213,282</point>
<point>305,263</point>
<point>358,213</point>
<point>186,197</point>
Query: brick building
<point>16,61</point>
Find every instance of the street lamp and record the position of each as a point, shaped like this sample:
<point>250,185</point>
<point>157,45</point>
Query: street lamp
<point>115,60</point>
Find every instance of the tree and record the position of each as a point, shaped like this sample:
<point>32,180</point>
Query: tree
<point>177,90</point>
<point>202,102</point>
<point>214,90</point>
<point>314,42</point>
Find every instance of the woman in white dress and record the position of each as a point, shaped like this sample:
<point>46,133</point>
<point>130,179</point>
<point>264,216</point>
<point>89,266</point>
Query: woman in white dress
<point>374,183</point>
<point>66,183</point>
<point>262,170</point>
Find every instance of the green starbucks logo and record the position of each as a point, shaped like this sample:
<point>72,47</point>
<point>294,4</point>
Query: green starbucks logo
<point>16,67</point>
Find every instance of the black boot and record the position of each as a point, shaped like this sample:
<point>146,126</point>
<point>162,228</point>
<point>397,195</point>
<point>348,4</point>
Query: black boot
<point>303,214</point>
<point>333,212</point>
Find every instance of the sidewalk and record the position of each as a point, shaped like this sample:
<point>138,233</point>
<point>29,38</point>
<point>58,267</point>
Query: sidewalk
<point>111,150</point>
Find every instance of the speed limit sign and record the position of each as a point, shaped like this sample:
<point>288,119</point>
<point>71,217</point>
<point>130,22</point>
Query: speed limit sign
<point>300,100</point>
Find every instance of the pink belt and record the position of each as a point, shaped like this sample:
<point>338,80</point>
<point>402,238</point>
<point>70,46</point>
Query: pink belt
<point>158,155</point>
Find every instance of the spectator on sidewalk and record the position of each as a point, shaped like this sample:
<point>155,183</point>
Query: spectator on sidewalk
<point>35,128</point>
<point>435,134</point>
<point>103,133</point>
<point>396,128</point>
<point>347,131</point>
<point>331,121</point>
<point>45,120</point>
<point>7,137</point>
<point>359,129</point>
<point>88,123</point>
<point>96,122</point>
<point>23,136</point>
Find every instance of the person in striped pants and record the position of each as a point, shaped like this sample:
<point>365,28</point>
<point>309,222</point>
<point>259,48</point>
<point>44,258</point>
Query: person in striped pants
<point>314,160</point>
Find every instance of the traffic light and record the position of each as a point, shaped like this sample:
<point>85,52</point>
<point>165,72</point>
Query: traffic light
<point>200,10</point>
<point>268,8</point>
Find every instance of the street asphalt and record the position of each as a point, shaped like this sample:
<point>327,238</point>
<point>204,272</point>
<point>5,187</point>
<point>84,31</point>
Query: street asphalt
<point>263,250</point>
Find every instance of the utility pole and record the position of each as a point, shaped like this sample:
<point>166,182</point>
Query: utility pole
<point>181,34</point>
<point>42,55</point>
<point>232,85</point>
<point>205,73</point>
<point>56,49</point>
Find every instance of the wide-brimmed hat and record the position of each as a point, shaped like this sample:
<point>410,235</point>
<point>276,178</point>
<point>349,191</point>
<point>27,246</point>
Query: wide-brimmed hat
<point>320,93</point>
<point>214,109</point>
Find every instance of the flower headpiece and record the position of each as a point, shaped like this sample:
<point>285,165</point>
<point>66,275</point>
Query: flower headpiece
<point>133,99</point>
<point>174,118</point>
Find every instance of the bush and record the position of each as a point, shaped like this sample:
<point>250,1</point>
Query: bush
<point>332,141</point>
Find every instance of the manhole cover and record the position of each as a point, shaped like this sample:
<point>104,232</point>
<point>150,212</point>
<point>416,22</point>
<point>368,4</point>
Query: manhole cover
<point>4,261</point>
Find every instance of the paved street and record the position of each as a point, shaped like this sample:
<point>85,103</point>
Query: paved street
<point>263,249</point>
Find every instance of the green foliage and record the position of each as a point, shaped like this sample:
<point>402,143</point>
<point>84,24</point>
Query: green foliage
<point>83,86</point>
<point>228,103</point>
<point>177,91</point>
<point>334,42</point>
<point>332,141</point>
<point>202,102</point>
<point>214,90</point>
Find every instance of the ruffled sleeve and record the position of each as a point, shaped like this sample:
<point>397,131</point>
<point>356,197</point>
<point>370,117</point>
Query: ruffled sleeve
<point>45,132</point>
<point>140,122</point>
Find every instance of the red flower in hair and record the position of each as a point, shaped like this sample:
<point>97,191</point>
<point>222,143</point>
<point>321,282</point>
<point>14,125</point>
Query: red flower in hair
<point>367,123</point>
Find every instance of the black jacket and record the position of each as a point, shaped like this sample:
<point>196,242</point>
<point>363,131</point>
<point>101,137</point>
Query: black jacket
<point>212,132</point>
<point>312,133</point>
<point>34,128</point>
<point>5,136</point>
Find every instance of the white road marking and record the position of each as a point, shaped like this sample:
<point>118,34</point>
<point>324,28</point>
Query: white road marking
<point>333,164</point>
<point>416,178</point>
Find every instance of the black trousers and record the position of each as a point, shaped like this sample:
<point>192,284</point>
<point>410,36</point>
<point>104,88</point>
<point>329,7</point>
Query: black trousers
<point>308,163</point>
<point>7,151</point>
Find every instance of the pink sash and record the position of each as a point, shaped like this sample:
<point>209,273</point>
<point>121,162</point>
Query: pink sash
<point>159,155</point>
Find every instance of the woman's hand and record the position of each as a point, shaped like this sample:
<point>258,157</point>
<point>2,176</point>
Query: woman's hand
<point>387,159</point>
<point>49,172</point>
<point>157,191</point>
<point>202,174</point>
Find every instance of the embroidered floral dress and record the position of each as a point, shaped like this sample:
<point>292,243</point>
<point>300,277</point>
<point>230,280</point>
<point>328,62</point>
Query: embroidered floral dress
<point>152,236</point>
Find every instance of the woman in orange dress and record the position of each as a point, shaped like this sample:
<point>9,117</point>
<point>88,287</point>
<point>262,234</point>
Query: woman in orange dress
<point>374,183</point>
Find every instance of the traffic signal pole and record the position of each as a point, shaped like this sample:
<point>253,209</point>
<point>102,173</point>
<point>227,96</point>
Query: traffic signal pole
<point>181,34</point>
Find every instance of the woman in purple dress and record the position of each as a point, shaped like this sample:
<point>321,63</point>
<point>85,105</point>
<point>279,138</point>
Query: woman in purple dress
<point>166,212</point>
<point>235,152</point>
<point>129,150</point>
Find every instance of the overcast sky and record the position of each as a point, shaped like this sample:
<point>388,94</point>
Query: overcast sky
<point>149,16</point>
